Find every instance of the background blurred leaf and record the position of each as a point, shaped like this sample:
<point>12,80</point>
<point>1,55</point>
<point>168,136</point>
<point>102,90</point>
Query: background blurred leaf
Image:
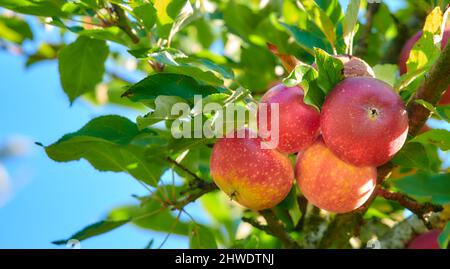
<point>321,19</point>
<point>167,11</point>
<point>14,29</point>
<point>420,156</point>
<point>435,188</point>
<point>200,237</point>
<point>386,73</point>
<point>81,66</point>
<point>35,7</point>
<point>350,24</point>
<point>444,238</point>
<point>146,13</point>
<point>440,138</point>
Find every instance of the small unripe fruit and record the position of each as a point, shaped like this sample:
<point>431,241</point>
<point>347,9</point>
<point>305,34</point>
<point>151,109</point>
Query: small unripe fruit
<point>256,178</point>
<point>406,51</point>
<point>426,241</point>
<point>364,122</point>
<point>330,183</point>
<point>298,122</point>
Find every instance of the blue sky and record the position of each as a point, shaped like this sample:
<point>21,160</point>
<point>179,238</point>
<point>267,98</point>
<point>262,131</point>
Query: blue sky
<point>52,200</point>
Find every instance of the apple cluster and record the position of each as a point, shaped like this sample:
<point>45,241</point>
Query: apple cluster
<point>363,123</point>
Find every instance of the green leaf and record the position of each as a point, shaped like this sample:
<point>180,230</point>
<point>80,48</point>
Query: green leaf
<point>178,63</point>
<point>218,206</point>
<point>444,238</point>
<point>240,19</point>
<point>46,8</point>
<point>146,14</point>
<point>321,19</point>
<point>306,76</point>
<point>152,216</point>
<point>386,73</point>
<point>440,138</point>
<point>167,84</point>
<point>81,65</point>
<point>434,188</point>
<point>95,229</point>
<point>257,65</point>
<point>330,70</point>
<point>183,18</point>
<point>444,112</point>
<point>205,32</point>
<point>112,33</point>
<point>441,112</point>
<point>350,22</point>
<point>167,11</point>
<point>307,40</point>
<point>108,93</point>
<point>14,29</point>
<point>201,237</point>
<point>162,111</point>
<point>113,143</point>
<point>45,52</point>
<point>408,79</point>
<point>425,51</point>
<point>418,156</point>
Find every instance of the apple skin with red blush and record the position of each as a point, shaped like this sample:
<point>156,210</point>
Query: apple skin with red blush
<point>330,183</point>
<point>364,122</point>
<point>298,122</point>
<point>254,177</point>
<point>427,240</point>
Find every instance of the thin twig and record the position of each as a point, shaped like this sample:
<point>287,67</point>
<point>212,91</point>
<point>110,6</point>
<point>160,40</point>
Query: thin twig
<point>363,44</point>
<point>174,225</point>
<point>123,23</point>
<point>206,188</point>
<point>255,223</point>
<point>409,203</point>
<point>184,168</point>
<point>278,230</point>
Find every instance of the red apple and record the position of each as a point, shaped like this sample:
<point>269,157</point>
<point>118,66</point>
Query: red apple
<point>254,177</point>
<point>330,183</point>
<point>298,122</point>
<point>364,122</point>
<point>404,56</point>
<point>426,241</point>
